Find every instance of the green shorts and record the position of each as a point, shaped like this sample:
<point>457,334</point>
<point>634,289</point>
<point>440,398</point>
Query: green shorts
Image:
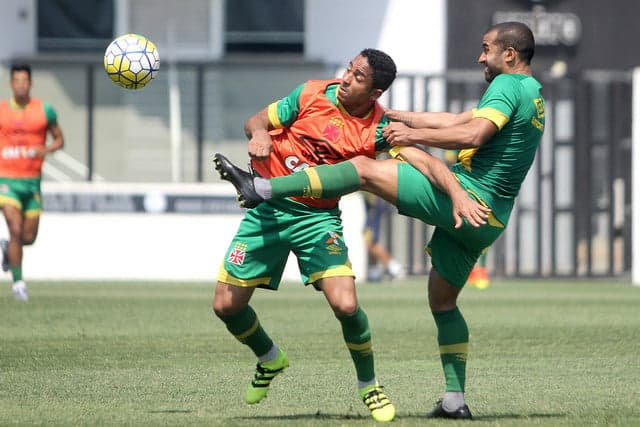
<point>267,234</point>
<point>23,193</point>
<point>453,251</point>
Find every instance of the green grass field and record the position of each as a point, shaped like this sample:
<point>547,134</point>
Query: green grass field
<point>543,353</point>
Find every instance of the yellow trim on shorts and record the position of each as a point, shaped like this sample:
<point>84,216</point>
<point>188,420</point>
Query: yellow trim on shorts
<point>5,200</point>
<point>225,277</point>
<point>395,151</point>
<point>343,270</point>
<point>272,112</point>
<point>491,220</point>
<point>462,347</point>
<point>314,183</point>
<point>32,213</point>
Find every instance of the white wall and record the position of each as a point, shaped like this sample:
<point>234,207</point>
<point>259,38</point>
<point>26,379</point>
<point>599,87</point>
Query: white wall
<point>413,32</point>
<point>173,28</point>
<point>18,22</point>
<point>144,246</point>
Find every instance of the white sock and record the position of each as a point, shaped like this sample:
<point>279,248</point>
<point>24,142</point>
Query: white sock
<point>269,355</point>
<point>263,187</point>
<point>396,269</point>
<point>453,400</point>
<point>362,384</point>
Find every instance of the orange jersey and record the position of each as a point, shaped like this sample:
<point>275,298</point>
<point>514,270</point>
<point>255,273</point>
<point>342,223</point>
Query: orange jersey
<point>21,129</point>
<point>313,129</point>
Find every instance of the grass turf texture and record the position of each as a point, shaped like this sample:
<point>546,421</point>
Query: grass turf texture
<point>542,353</point>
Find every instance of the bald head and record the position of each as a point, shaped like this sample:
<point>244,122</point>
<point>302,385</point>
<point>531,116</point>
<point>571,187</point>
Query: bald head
<point>516,35</point>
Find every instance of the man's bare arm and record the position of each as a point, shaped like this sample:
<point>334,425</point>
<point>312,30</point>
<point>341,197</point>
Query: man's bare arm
<point>432,120</point>
<point>256,128</point>
<point>472,134</point>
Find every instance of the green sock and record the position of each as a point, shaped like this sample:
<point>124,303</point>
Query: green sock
<point>453,339</point>
<point>245,326</point>
<point>16,273</point>
<point>324,182</point>
<point>357,336</point>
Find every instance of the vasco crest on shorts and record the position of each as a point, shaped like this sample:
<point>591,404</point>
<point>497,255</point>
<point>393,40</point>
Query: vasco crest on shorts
<point>333,243</point>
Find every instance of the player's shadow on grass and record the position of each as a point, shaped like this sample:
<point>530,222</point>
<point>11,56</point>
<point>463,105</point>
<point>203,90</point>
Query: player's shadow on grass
<point>325,416</point>
<point>489,417</point>
<point>317,416</point>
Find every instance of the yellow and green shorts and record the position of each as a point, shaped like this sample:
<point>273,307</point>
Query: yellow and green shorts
<point>267,234</point>
<point>23,193</point>
<point>453,251</point>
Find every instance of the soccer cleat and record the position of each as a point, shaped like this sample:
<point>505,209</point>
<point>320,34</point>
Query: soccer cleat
<point>479,277</point>
<point>378,403</point>
<point>241,180</point>
<point>265,373</point>
<point>396,270</point>
<point>4,247</point>
<point>462,413</point>
<point>19,290</point>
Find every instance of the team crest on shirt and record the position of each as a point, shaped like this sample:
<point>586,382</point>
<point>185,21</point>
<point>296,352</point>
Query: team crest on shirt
<point>333,129</point>
<point>334,246</point>
<point>238,253</point>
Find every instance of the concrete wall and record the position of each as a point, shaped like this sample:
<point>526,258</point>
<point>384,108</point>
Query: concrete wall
<point>411,31</point>
<point>18,22</point>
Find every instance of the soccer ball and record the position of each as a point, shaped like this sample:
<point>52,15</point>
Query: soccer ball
<point>131,61</point>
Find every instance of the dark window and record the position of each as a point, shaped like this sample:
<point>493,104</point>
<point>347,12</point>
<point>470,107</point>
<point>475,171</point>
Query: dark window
<point>260,26</point>
<point>72,25</point>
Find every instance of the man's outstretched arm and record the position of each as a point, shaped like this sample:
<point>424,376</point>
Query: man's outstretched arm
<point>429,119</point>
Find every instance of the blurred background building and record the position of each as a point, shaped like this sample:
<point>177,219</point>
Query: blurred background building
<point>231,58</point>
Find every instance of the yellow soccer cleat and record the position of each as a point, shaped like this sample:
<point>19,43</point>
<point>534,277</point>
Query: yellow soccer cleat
<point>378,403</point>
<point>265,373</point>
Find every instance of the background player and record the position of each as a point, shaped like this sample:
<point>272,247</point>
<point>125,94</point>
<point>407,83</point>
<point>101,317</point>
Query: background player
<point>24,124</point>
<point>381,261</point>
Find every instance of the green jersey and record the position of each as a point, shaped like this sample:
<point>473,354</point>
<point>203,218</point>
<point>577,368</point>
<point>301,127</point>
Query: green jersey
<point>496,170</point>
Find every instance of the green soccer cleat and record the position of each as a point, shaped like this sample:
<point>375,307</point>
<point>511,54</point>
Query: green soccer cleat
<point>265,373</point>
<point>378,403</point>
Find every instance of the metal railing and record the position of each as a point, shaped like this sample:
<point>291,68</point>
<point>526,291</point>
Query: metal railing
<point>572,218</point>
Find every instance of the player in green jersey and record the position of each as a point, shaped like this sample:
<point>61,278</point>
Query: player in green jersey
<point>499,139</point>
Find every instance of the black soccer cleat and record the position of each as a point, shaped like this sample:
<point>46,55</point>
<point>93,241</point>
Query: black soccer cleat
<point>462,413</point>
<point>241,180</point>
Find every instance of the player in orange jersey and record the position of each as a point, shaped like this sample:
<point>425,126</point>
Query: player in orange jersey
<point>319,122</point>
<point>24,124</point>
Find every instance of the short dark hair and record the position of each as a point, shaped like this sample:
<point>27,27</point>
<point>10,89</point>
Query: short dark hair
<point>516,35</point>
<point>384,69</point>
<point>21,67</point>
